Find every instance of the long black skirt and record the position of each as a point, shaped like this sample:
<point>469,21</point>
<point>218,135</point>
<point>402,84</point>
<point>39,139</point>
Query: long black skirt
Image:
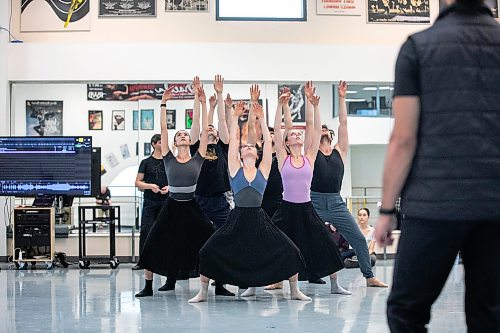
<point>301,223</point>
<point>248,250</point>
<point>175,239</point>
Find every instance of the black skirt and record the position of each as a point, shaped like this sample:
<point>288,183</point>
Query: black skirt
<point>248,250</point>
<point>175,239</point>
<point>301,223</point>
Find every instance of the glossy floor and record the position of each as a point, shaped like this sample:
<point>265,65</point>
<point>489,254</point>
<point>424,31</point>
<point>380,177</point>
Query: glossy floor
<point>101,300</point>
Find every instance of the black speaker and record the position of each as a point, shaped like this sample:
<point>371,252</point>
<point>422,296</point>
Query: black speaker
<point>96,171</point>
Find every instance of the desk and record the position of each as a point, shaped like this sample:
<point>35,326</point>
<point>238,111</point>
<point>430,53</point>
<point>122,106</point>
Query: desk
<point>87,215</point>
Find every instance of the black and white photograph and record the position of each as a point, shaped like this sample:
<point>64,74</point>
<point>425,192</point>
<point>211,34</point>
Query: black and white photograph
<point>124,151</point>
<point>127,8</point>
<point>111,159</point>
<point>186,5</point>
<point>398,11</point>
<point>297,102</point>
<point>118,120</point>
<point>55,15</point>
<point>44,118</point>
<point>171,119</point>
<point>147,148</point>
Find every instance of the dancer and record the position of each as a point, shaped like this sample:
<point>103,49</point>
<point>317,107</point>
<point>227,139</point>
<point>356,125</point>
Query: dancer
<point>181,228</point>
<point>248,249</point>
<point>325,189</point>
<point>296,215</point>
<point>152,180</point>
<point>213,181</point>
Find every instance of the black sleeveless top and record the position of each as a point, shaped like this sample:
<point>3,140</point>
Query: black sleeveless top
<point>274,189</point>
<point>328,173</point>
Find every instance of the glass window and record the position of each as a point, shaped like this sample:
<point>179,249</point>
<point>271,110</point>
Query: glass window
<point>369,100</point>
<point>261,10</point>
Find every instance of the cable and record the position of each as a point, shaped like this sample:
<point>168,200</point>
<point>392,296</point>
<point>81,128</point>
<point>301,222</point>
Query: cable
<point>10,35</point>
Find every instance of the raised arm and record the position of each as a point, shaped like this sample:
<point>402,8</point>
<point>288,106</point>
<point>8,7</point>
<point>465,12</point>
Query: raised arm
<point>267,154</point>
<point>315,132</point>
<point>252,118</point>
<point>195,126</point>
<point>167,95</point>
<point>233,161</point>
<point>287,112</point>
<point>278,133</point>
<point>309,91</point>
<point>212,102</point>
<point>221,111</point>
<point>228,110</point>
<point>343,142</point>
<point>204,122</point>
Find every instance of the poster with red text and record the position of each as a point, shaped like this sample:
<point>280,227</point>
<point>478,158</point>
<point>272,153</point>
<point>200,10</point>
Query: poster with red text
<point>339,7</point>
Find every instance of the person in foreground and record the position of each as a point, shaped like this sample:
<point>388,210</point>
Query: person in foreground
<point>248,250</point>
<point>444,159</point>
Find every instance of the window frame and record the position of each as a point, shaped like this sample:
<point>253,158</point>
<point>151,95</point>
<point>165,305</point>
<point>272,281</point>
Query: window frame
<point>265,19</point>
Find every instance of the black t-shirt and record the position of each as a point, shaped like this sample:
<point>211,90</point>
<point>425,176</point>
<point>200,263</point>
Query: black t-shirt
<point>407,81</point>
<point>328,173</point>
<point>214,178</point>
<point>154,173</point>
<point>274,188</point>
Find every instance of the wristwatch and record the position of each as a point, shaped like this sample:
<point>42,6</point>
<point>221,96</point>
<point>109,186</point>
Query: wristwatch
<point>386,211</point>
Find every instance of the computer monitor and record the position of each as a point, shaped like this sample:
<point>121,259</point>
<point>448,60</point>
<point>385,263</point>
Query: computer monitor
<point>44,166</point>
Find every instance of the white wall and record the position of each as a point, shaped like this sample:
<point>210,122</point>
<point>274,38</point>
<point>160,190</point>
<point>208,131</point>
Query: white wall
<point>367,164</point>
<point>4,104</point>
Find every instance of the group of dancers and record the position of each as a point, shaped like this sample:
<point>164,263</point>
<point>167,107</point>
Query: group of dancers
<point>284,186</point>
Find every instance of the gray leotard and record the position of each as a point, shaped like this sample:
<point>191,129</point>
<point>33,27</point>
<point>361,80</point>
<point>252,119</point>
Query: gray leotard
<point>182,177</point>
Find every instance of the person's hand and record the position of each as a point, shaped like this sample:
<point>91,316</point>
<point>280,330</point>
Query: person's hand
<point>257,110</point>
<point>218,84</point>
<point>383,230</point>
<point>196,84</point>
<point>167,94</point>
<point>254,92</point>
<point>239,108</point>
<point>201,94</point>
<point>285,96</point>
<point>212,101</point>
<point>155,188</point>
<point>309,89</point>
<point>228,102</point>
<point>164,190</point>
<point>342,89</point>
<point>314,100</point>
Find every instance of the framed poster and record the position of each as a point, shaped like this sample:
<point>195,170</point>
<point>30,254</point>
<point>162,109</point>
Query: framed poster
<point>297,101</point>
<point>339,7</point>
<point>55,15</point>
<point>95,120</point>
<point>398,11</point>
<point>44,118</point>
<point>171,119</point>
<point>147,148</point>
<point>147,119</point>
<point>118,120</point>
<point>135,120</point>
<point>189,118</point>
<point>186,5</point>
<point>127,8</point>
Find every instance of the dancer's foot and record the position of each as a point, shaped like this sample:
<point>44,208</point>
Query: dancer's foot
<point>336,289</point>
<point>144,293</point>
<point>221,291</point>
<point>249,292</point>
<point>274,286</point>
<point>202,295</point>
<point>296,294</point>
<point>169,285</point>
<point>136,267</point>
<point>317,281</point>
<point>374,282</point>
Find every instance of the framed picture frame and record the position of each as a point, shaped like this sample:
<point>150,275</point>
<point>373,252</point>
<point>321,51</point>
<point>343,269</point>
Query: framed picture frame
<point>147,148</point>
<point>171,119</point>
<point>147,119</point>
<point>135,120</point>
<point>188,118</point>
<point>44,118</point>
<point>186,6</point>
<point>127,8</point>
<point>95,120</point>
<point>297,101</point>
<point>398,11</point>
<point>118,120</point>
